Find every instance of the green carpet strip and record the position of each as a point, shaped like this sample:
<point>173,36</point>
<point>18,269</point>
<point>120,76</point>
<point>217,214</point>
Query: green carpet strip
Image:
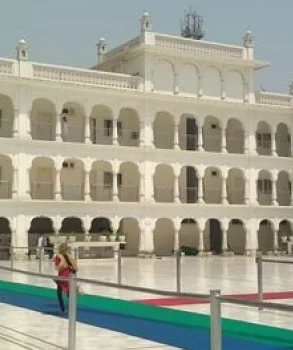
<point>266,334</point>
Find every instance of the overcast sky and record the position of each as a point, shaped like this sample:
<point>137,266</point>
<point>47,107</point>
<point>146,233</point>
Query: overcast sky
<point>66,31</point>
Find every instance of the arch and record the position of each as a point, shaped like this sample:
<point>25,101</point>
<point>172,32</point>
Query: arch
<point>235,136</point>
<point>188,185</point>
<point>189,236</point>
<point>164,237</point>
<point>188,132</point>
<point>212,185</point>
<point>101,181</point>
<point>213,236</point>
<point>212,135</point>
<point>212,86</point>
<point>265,236</point>
<point>42,178</point>
<point>236,186</point>
<point>43,120</point>
<point>128,185</point>
<point>164,76</point>
<point>72,179</point>
<point>7,116</point>
<point>264,188</point>
<point>283,140</point>
<point>5,238</point>
<point>72,225</point>
<point>73,122</point>
<point>188,79</point>
<point>236,236</point>
<point>131,229</point>
<point>285,234</point>
<point>128,127</point>
<point>100,224</point>
<point>235,85</point>
<point>163,129</point>
<point>164,183</point>
<point>101,121</point>
<point>6,177</point>
<point>283,189</point>
<point>263,139</point>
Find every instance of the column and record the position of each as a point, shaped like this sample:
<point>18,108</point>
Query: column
<point>58,185</point>
<point>176,136</point>
<point>251,242</point>
<point>176,241</point>
<point>87,188</point>
<point>141,187</point>
<point>224,141</point>
<point>253,191</point>
<point>141,134</point>
<point>225,226</point>
<point>200,89</point>
<point>200,189</point>
<point>246,141</point>
<point>58,128</point>
<point>200,136</point>
<point>176,84</point>
<point>291,188</point>
<point>274,190</point>
<point>246,92</point>
<point>274,150</point>
<point>223,89</point>
<point>15,183</point>
<point>15,131</point>
<point>224,189</point>
<point>176,188</point>
<point>146,244</point>
<point>275,240</point>
<point>246,191</point>
<point>87,136</point>
<point>115,186</point>
<point>115,131</point>
<point>201,227</point>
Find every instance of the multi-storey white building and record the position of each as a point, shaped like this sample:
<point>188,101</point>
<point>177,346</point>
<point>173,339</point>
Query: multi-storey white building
<point>164,140</point>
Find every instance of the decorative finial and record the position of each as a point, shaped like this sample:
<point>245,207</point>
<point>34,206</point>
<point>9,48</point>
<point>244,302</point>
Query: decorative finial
<point>102,49</point>
<point>248,40</point>
<point>146,22</point>
<point>22,50</point>
<point>192,25</point>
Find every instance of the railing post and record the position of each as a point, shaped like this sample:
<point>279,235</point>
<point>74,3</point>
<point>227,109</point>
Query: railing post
<point>119,266</point>
<point>41,256</point>
<point>72,313</point>
<point>178,271</point>
<point>11,257</point>
<point>215,320</point>
<point>259,279</point>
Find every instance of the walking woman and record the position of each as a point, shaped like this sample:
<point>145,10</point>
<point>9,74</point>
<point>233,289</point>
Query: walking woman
<point>66,266</point>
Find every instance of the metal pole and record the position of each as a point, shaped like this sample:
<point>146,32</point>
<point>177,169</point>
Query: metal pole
<point>259,279</point>
<point>11,257</point>
<point>41,252</point>
<point>215,320</point>
<point>72,314</point>
<point>119,266</point>
<point>178,271</point>
<point>76,253</point>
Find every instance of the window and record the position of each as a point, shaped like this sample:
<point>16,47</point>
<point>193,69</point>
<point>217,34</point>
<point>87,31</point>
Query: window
<point>264,186</point>
<point>108,179</point>
<point>264,140</point>
<point>119,129</point>
<point>108,127</point>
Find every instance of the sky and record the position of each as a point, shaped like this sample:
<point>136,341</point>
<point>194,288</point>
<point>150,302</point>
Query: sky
<point>66,31</point>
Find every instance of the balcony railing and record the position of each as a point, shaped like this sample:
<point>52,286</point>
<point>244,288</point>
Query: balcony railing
<point>43,131</point>
<point>264,198</point>
<point>212,196</point>
<point>128,138</point>
<point>101,193</point>
<point>188,194</point>
<point>284,197</point>
<point>235,196</point>
<point>72,192</point>
<point>128,193</point>
<point>5,190</point>
<point>42,190</point>
<point>163,140</point>
<point>273,99</point>
<point>6,66</point>
<point>164,194</point>
<point>6,127</point>
<point>102,136</point>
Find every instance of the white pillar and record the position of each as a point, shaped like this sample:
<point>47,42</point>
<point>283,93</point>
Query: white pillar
<point>58,128</point>
<point>141,187</point>
<point>200,188</point>
<point>200,86</point>
<point>274,150</point>
<point>253,193</point>
<point>87,136</point>
<point>176,184</point>
<point>87,187</point>
<point>275,240</point>
<point>274,189</point>
<point>251,242</point>
<point>224,141</point>
<point>15,183</point>
<point>246,141</point>
<point>176,135</point>
<point>176,84</point>
<point>176,241</point>
<point>224,189</point>
<point>201,227</point>
<point>146,244</point>
<point>115,185</point>
<point>58,196</point>
<point>246,191</point>
<point>200,137</point>
<point>252,141</point>
<point>15,126</point>
<point>223,88</point>
<point>115,131</point>
<point>141,134</point>
<point>225,226</point>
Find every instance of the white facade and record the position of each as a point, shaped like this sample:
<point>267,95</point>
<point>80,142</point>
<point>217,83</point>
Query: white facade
<point>166,139</point>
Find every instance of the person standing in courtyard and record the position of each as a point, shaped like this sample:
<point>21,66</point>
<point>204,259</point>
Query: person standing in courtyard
<point>66,266</point>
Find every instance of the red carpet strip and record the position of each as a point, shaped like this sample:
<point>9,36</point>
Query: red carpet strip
<point>187,301</point>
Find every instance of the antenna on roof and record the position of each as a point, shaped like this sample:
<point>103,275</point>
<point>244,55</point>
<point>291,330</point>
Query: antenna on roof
<point>192,25</point>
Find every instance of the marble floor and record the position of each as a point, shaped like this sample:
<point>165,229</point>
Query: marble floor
<point>24,329</point>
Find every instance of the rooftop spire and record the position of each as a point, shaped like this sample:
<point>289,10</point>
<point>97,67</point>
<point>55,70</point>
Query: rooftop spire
<point>192,25</point>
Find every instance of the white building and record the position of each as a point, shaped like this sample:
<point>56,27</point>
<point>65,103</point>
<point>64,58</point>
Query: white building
<point>166,141</point>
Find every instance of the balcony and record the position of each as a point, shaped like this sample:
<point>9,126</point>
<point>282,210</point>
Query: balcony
<point>43,131</point>
<point>101,193</point>
<point>164,194</point>
<point>72,192</point>
<point>128,193</point>
<point>42,190</point>
<point>188,194</point>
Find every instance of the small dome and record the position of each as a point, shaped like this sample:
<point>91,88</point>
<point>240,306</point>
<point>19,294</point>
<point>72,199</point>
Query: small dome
<point>146,14</point>
<point>22,41</point>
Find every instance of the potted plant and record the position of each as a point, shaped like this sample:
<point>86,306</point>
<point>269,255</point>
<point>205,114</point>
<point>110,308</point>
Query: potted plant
<point>103,236</point>
<point>121,237</point>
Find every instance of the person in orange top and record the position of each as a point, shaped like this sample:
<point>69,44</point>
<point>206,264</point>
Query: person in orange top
<point>66,266</point>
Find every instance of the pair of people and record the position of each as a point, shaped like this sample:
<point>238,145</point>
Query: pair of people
<point>66,266</point>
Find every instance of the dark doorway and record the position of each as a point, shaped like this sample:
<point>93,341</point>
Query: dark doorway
<point>71,225</point>
<point>191,181</point>
<point>216,237</point>
<point>41,225</point>
<point>100,225</point>
<point>5,239</point>
<point>191,134</point>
